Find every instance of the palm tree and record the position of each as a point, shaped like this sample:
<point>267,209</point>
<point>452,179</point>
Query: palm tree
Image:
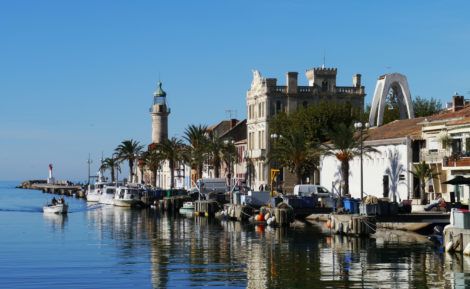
<point>172,151</point>
<point>196,136</point>
<point>113,164</point>
<point>345,145</point>
<point>229,155</point>
<point>153,160</point>
<point>129,150</point>
<point>424,173</point>
<point>293,151</point>
<point>215,148</point>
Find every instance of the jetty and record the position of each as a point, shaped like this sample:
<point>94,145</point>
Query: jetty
<point>62,188</point>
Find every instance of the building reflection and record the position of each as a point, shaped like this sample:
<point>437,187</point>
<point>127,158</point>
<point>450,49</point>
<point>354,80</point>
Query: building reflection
<point>196,252</point>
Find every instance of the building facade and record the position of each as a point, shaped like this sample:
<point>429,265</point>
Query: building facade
<point>442,141</point>
<point>265,99</point>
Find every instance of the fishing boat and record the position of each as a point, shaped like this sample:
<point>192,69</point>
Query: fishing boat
<point>95,190</point>
<point>57,208</point>
<point>107,195</point>
<point>187,208</point>
<point>127,196</point>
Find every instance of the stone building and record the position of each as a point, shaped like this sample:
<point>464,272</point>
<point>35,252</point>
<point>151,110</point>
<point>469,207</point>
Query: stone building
<point>266,98</point>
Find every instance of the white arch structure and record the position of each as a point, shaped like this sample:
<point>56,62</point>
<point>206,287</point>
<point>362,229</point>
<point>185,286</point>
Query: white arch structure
<point>398,84</point>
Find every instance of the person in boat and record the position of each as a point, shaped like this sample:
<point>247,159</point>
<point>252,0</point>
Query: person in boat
<point>54,201</point>
<point>61,200</point>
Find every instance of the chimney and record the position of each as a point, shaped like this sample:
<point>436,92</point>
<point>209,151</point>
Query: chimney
<point>233,122</point>
<point>458,102</point>
<point>357,80</point>
<point>292,82</point>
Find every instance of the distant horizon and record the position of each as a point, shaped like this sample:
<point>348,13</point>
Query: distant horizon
<point>78,77</point>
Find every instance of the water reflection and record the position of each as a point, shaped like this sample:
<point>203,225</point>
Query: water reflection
<point>196,252</point>
<point>57,222</point>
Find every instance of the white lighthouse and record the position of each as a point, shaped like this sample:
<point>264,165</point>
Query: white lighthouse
<point>159,112</point>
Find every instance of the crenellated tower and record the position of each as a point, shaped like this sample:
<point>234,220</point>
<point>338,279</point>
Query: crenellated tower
<point>159,112</point>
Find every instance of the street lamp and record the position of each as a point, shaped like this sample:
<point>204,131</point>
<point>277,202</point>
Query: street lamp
<point>274,172</point>
<point>360,126</point>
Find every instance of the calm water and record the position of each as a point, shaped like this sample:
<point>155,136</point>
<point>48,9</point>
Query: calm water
<point>105,247</point>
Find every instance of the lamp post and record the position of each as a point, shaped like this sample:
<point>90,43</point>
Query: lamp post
<point>360,126</point>
<point>274,172</point>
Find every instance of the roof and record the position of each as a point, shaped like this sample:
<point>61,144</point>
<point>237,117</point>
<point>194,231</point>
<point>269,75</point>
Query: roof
<point>461,113</point>
<point>397,129</point>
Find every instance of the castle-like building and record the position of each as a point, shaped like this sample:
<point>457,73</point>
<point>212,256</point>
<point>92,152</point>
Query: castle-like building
<point>266,98</point>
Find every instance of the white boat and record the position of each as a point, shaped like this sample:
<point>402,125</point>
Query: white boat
<point>107,195</point>
<point>187,208</point>
<point>95,190</point>
<point>56,209</point>
<point>127,196</point>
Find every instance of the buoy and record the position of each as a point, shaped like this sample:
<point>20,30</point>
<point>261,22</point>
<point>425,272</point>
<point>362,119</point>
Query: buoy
<point>449,246</point>
<point>261,217</point>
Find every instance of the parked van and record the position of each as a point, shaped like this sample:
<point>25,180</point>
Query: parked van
<point>308,190</point>
<point>211,185</point>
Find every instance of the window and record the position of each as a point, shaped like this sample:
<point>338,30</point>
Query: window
<point>259,139</point>
<point>278,106</point>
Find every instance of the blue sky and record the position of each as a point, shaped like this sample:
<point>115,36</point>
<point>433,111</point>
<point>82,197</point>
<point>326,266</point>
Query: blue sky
<point>77,77</point>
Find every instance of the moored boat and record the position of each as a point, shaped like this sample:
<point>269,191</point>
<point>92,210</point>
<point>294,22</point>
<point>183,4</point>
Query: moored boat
<point>127,196</point>
<point>187,208</point>
<point>95,190</point>
<point>107,195</point>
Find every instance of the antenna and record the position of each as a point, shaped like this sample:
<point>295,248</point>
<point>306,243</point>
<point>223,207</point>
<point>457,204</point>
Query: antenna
<point>231,113</point>
<point>324,59</point>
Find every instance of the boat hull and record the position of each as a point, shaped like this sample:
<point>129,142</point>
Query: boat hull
<point>125,203</point>
<point>92,198</point>
<point>56,209</point>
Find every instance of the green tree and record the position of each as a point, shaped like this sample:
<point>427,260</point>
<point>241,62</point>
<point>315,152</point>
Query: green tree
<point>423,172</point>
<point>229,155</point>
<point>113,164</point>
<point>153,160</point>
<point>295,152</point>
<point>345,145</point>
<point>196,136</point>
<point>215,148</point>
<point>426,107</point>
<point>129,150</point>
<point>172,150</point>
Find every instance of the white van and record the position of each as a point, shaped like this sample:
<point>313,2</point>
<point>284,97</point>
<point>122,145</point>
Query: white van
<point>212,185</point>
<point>308,190</point>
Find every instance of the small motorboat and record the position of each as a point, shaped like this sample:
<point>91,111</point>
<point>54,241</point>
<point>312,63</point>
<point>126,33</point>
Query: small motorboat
<point>187,208</point>
<point>58,208</point>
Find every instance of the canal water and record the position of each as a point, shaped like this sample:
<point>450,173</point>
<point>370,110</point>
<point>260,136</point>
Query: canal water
<point>98,246</point>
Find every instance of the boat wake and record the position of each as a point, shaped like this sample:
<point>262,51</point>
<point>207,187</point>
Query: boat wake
<point>23,210</point>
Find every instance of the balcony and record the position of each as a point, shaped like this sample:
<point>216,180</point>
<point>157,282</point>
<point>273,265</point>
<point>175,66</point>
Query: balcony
<point>457,162</point>
<point>433,156</point>
<point>256,154</point>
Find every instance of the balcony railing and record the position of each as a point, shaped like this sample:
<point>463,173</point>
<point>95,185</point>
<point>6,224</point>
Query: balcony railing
<point>457,160</point>
<point>256,153</point>
<point>433,157</point>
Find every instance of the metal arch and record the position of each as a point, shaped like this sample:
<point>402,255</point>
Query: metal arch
<point>399,85</point>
